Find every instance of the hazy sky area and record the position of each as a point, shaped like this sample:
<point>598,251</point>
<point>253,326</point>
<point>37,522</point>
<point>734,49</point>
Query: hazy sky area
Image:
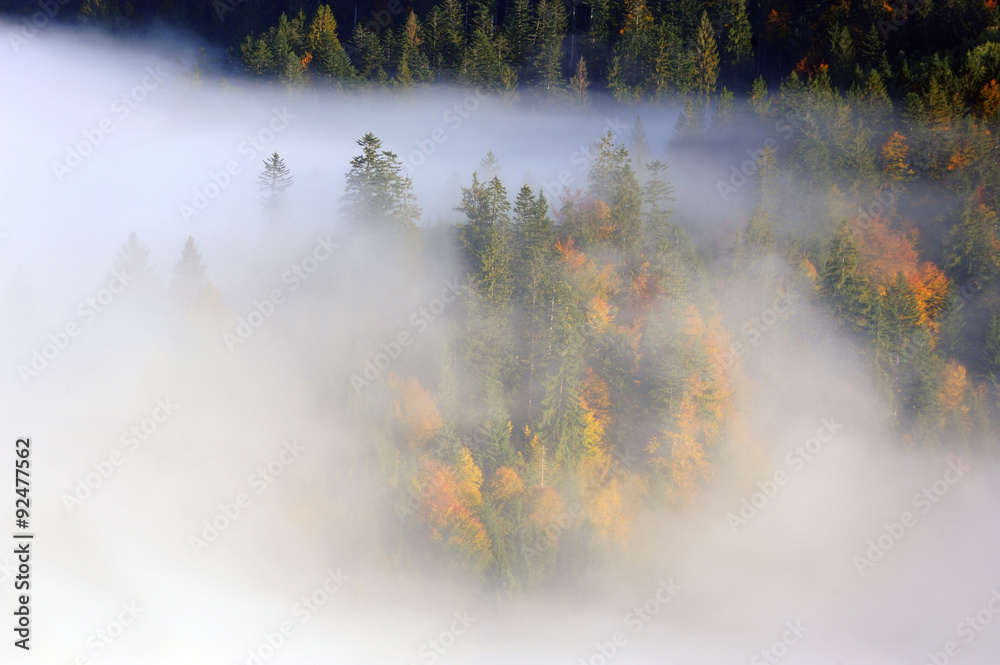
<point>781,584</point>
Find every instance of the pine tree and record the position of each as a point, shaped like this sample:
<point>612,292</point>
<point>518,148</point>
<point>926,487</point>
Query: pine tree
<point>286,42</point>
<point>377,192</point>
<point>533,270</point>
<point>256,56</point>
<point>973,246</point>
<point>759,100</point>
<point>706,58</point>
<point>190,279</point>
<point>631,65</point>
<point>549,33</point>
<point>371,58</point>
<point>483,63</point>
<point>672,69</point>
<point>327,53</point>
<point>846,289</point>
<point>668,248</point>
<point>273,181</point>
<point>517,30</point>
<point>486,236</point>
<point>564,427</point>
<point>132,260</point>
<point>412,65</point>
<point>613,181</point>
<point>446,35</point>
<point>739,48</point>
<point>580,82</point>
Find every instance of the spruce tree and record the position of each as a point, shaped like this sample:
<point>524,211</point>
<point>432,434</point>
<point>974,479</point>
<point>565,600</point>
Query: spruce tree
<point>273,181</point>
<point>580,82</point>
<point>190,279</point>
<point>845,287</point>
<point>377,193</point>
<point>328,55</point>
<point>706,60</point>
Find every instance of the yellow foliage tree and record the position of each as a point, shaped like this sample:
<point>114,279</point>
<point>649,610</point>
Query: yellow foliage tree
<point>415,410</point>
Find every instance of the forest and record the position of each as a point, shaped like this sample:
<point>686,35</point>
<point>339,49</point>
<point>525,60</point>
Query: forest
<point>595,351</point>
<point>589,370</point>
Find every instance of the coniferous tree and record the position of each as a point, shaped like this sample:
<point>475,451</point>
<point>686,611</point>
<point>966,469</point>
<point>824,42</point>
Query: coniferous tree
<point>190,279</point>
<point>273,181</point>
<point>286,46</point>
<point>548,46</point>
<point>412,65</point>
<point>973,246</point>
<point>579,83</point>
<point>533,270</point>
<point>256,56</point>
<point>328,56</point>
<point>706,60</point>
<point>738,35</point>
<point>371,57</point>
<point>845,287</point>
<point>132,260</point>
<point>486,236</point>
<point>613,181</point>
<point>517,28</point>
<point>377,193</point>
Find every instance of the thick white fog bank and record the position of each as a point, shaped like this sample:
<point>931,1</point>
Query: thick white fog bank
<point>199,505</point>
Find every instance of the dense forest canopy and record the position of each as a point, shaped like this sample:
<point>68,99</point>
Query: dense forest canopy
<point>595,350</point>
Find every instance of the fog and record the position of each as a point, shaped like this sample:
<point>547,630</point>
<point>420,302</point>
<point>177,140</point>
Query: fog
<point>719,586</point>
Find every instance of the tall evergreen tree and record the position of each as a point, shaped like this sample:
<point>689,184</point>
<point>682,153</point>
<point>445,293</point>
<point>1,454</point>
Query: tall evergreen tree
<point>550,31</point>
<point>273,181</point>
<point>845,287</point>
<point>190,279</point>
<point>706,60</point>
<point>377,192</point>
<point>328,55</point>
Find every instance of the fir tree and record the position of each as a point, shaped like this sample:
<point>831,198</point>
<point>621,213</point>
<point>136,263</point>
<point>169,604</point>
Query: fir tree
<point>377,193</point>
<point>273,181</point>
<point>327,53</point>
<point>706,60</point>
